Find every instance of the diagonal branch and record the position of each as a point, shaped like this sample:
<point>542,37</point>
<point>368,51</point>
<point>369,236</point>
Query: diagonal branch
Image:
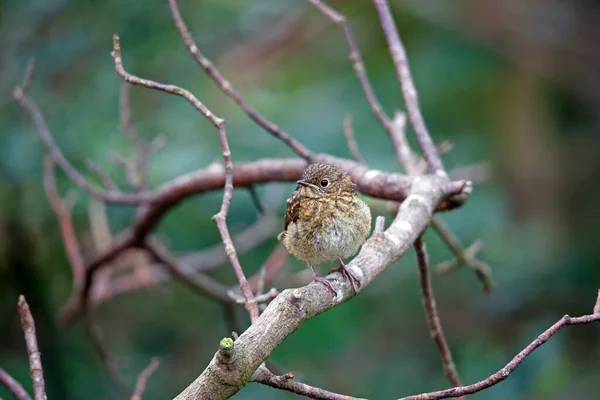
<point>27,103</point>
<point>35,357</point>
<point>221,219</point>
<point>219,123</point>
<point>228,89</point>
<point>433,318</point>
<point>142,380</point>
<point>357,63</point>
<point>13,387</point>
<point>294,306</point>
<point>409,91</point>
<point>503,373</point>
<point>286,382</point>
<point>463,257</point>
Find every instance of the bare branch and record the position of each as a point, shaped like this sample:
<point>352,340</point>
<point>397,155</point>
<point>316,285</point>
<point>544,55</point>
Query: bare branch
<point>286,382</point>
<point>433,318</point>
<point>35,357</point>
<point>374,183</point>
<point>104,177</point>
<point>503,373</point>
<point>108,360</point>
<point>351,140</point>
<point>294,306</point>
<point>63,215</point>
<point>597,305</point>
<point>357,62</point>
<point>483,271</point>
<point>141,161</point>
<point>28,76</point>
<point>204,284</point>
<point>13,387</point>
<point>409,91</point>
<point>221,219</point>
<point>140,386</point>
<point>20,95</point>
<point>172,89</point>
<point>228,89</point>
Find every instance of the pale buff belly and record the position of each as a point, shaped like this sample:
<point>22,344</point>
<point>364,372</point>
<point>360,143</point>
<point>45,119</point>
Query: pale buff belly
<point>340,237</point>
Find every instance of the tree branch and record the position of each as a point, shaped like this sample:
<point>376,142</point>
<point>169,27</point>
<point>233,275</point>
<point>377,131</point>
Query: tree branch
<point>511,366</point>
<point>351,140</point>
<point>409,91</point>
<point>13,387</point>
<point>294,306</point>
<point>228,89</point>
<point>433,318</point>
<point>286,382</point>
<point>142,380</point>
<point>21,96</point>
<point>357,62</point>
<point>35,357</point>
<point>463,257</point>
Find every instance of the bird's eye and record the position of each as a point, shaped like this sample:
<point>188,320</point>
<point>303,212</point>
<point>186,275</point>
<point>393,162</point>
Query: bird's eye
<point>324,183</point>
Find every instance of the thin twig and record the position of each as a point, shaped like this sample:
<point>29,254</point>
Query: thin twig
<point>433,319</point>
<point>144,148</point>
<point>219,123</point>
<point>35,357</point>
<point>503,373</point>
<point>483,271</point>
<point>202,283</point>
<point>228,89</point>
<point>172,89</point>
<point>221,220</point>
<point>108,360</point>
<point>13,387</point>
<point>351,140</point>
<point>29,70</point>
<point>142,380</point>
<point>27,103</point>
<point>357,62</point>
<point>63,215</point>
<point>409,91</point>
<point>286,382</point>
<point>104,177</point>
<point>256,200</point>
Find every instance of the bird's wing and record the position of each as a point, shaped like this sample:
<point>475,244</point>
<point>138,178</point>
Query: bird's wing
<point>293,209</point>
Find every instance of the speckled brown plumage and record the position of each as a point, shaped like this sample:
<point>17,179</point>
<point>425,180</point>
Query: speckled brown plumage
<point>325,218</point>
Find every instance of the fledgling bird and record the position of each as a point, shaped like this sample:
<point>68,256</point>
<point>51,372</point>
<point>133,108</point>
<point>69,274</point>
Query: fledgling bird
<point>325,220</point>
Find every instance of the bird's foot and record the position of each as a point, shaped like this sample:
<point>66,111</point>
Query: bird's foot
<point>345,272</point>
<point>322,280</point>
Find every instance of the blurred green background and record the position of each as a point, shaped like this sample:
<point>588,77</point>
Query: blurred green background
<point>512,83</point>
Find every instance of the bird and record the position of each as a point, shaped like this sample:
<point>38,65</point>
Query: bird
<point>325,220</point>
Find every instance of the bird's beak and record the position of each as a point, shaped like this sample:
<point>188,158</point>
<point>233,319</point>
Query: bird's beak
<point>302,182</point>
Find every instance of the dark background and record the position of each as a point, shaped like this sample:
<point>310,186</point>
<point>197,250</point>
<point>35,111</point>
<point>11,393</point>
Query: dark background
<point>510,82</point>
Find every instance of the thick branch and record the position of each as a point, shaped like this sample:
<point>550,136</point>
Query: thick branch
<point>374,183</point>
<point>294,306</point>
<point>35,357</point>
<point>433,318</point>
